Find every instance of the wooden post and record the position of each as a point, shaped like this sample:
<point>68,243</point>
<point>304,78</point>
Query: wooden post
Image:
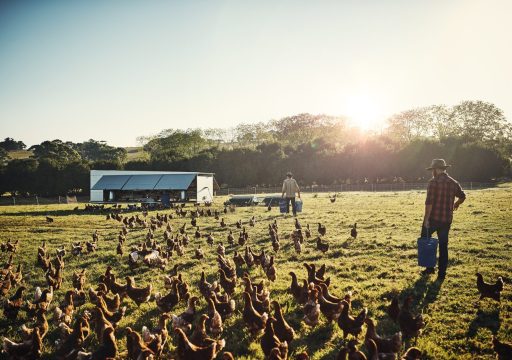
<point>37,200</point>
<point>471,185</point>
<point>14,200</point>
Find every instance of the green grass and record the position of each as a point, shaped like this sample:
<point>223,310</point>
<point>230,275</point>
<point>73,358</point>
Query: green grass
<point>380,263</point>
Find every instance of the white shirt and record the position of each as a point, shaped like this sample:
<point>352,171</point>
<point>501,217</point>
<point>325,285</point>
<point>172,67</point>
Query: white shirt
<point>290,187</point>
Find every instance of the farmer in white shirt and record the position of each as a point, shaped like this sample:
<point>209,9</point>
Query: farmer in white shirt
<point>290,187</point>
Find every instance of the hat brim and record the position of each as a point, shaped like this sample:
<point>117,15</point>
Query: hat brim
<point>438,167</point>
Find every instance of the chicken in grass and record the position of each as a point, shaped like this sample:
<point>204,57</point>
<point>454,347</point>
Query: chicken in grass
<point>31,348</point>
<point>413,353</point>
<point>331,310</point>
<point>254,321</point>
<point>157,339</point>
<point>311,309</point>
<point>167,302</point>
<point>269,340</point>
<point>138,295</point>
<point>188,351</point>
<point>349,324</point>
<point>137,348</point>
<point>375,354</point>
<point>281,328</point>
<point>13,305</point>
<point>214,322</point>
<point>353,351</point>
<point>486,290</point>
<point>393,309</point>
<point>323,247</point>
<point>353,231</point>
<point>392,344</point>
<point>322,230</point>
<point>411,325</point>
<point>185,319</point>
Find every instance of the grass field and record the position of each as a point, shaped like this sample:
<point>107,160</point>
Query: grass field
<point>379,264</point>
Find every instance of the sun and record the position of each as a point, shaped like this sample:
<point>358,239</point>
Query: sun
<point>364,112</point>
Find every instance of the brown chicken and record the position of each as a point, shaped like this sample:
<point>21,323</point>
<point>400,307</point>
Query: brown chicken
<point>138,295</point>
<point>487,290</point>
<point>300,293</point>
<point>393,309</point>
<point>281,328</point>
<point>348,324</point>
<point>188,351</point>
<point>13,305</point>
<point>353,351</point>
<point>392,344</point>
<point>106,350</point>
<point>412,353</point>
<point>322,230</point>
<point>137,348</point>
<point>312,308</point>
<point>409,324</point>
<point>168,302</point>
<point>269,340</point>
<point>185,319</point>
<point>331,310</point>
<point>72,338</point>
<point>253,320</point>
<point>323,247</point>
<point>228,284</point>
<point>225,308</point>
<point>31,348</point>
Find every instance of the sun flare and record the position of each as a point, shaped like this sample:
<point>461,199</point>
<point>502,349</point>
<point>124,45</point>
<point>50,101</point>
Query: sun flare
<point>363,112</point>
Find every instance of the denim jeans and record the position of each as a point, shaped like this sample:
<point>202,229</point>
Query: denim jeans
<point>442,230</point>
<point>292,199</point>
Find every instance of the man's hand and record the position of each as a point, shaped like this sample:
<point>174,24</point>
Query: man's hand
<point>456,205</point>
<point>282,196</point>
<point>426,223</point>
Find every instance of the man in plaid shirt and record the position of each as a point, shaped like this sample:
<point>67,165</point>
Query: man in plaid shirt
<point>439,206</point>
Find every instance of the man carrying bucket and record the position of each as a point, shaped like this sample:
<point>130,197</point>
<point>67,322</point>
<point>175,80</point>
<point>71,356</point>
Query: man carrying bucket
<point>290,187</point>
<point>439,206</point>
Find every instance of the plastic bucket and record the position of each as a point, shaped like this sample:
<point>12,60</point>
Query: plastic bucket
<point>427,251</point>
<point>298,206</point>
<point>282,206</point>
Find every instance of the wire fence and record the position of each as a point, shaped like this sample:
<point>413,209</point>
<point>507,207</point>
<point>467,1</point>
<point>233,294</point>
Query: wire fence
<point>254,190</point>
<point>367,187</point>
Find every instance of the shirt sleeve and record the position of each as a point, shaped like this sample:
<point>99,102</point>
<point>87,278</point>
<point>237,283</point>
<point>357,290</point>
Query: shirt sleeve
<point>430,193</point>
<point>296,185</point>
<point>460,193</point>
<point>284,186</point>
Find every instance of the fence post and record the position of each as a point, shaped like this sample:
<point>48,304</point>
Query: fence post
<point>14,200</point>
<point>37,200</point>
<point>471,185</point>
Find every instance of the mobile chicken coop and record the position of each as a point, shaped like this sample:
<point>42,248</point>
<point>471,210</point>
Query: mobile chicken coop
<point>118,186</point>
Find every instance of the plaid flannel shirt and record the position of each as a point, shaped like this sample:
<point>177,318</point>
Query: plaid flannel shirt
<point>441,193</point>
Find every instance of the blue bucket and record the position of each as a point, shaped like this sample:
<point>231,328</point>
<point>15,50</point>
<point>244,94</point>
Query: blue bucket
<point>282,206</point>
<point>427,251</point>
<point>298,206</point>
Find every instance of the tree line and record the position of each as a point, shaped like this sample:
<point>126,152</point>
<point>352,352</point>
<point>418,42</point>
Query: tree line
<point>475,136</point>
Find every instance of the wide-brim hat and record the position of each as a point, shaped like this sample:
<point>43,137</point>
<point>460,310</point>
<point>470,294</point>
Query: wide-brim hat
<point>438,164</point>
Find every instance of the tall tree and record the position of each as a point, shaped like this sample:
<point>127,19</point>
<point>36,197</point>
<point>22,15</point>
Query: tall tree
<point>9,144</point>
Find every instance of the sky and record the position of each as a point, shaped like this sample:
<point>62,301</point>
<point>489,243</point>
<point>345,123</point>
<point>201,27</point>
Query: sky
<point>115,70</point>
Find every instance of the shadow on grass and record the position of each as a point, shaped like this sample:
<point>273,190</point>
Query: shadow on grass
<point>485,319</point>
<point>423,292</point>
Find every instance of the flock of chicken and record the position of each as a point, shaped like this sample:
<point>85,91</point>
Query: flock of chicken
<point>95,310</point>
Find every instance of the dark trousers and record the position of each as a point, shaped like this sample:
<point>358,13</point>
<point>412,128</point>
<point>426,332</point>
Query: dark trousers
<point>442,230</point>
<point>292,199</point>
